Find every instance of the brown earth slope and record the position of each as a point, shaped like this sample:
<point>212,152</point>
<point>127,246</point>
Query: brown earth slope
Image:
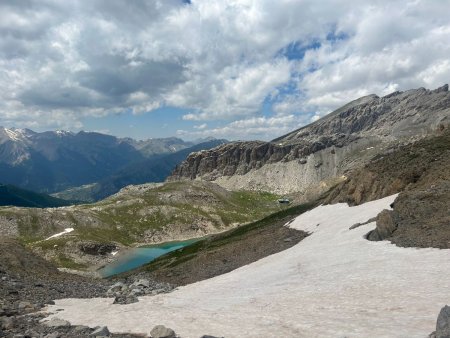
<point>421,173</point>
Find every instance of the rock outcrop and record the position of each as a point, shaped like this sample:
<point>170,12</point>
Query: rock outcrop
<point>325,149</point>
<point>443,323</point>
<point>420,172</point>
<point>94,248</point>
<point>386,226</point>
<point>160,331</point>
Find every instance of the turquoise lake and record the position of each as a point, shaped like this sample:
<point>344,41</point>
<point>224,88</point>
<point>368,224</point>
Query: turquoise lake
<point>137,257</point>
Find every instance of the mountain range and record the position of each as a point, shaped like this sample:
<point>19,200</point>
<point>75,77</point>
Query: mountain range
<point>53,161</point>
<point>153,169</point>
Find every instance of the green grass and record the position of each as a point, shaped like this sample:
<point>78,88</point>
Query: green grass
<point>213,242</point>
<point>181,204</point>
<point>67,262</point>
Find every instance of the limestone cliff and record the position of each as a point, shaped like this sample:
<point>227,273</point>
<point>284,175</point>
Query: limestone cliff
<point>318,155</point>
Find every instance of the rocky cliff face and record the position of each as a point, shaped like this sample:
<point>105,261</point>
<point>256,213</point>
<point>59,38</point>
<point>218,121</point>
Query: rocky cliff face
<point>317,155</point>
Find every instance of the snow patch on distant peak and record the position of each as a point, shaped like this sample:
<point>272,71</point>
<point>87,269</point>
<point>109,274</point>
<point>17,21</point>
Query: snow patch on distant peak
<point>62,132</point>
<point>15,135</point>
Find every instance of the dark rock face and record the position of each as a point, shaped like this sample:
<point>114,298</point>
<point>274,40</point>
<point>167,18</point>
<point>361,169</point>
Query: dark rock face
<point>443,323</point>
<point>398,116</point>
<point>94,248</point>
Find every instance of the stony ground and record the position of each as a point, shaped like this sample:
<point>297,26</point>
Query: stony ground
<point>29,283</point>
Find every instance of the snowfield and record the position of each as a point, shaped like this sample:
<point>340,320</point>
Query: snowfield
<point>334,283</point>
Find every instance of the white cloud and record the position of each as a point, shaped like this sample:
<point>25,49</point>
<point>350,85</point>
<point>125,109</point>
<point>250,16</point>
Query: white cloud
<point>220,59</point>
<point>201,126</point>
<point>262,128</point>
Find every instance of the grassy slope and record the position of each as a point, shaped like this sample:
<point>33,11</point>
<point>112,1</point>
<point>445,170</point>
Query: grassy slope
<point>221,253</point>
<point>136,215</point>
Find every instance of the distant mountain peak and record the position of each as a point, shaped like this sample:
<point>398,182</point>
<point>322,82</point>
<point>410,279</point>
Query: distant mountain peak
<point>14,134</point>
<point>63,133</point>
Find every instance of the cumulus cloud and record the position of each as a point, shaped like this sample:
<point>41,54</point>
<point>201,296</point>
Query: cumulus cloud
<point>262,128</point>
<point>61,61</point>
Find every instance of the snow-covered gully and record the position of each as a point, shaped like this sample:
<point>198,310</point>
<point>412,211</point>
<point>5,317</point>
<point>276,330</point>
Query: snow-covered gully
<point>334,283</point>
<point>59,234</point>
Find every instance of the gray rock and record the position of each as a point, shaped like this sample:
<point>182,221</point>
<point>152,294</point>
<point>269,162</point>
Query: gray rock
<point>160,331</point>
<point>80,328</point>
<point>356,225</point>
<point>100,331</point>
<point>125,299</point>
<point>142,282</point>
<point>136,292</point>
<point>443,323</point>
<point>386,225</point>
<point>55,334</point>
<point>26,307</point>
<point>7,323</point>
<point>31,333</point>
<point>57,322</point>
<point>116,287</point>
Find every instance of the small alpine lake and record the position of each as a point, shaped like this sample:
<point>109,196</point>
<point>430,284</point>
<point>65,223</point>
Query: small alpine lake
<point>136,257</point>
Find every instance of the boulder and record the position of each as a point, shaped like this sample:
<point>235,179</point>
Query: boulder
<point>116,287</point>
<point>26,307</point>
<point>100,331</point>
<point>160,331</point>
<point>56,322</point>
<point>386,226</point>
<point>7,323</point>
<point>443,323</point>
<point>142,282</point>
<point>125,299</point>
<point>55,334</point>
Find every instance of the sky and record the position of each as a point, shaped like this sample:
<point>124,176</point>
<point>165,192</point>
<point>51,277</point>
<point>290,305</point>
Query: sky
<point>235,69</point>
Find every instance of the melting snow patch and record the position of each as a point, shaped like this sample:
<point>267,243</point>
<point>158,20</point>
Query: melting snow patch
<point>334,283</point>
<point>66,231</point>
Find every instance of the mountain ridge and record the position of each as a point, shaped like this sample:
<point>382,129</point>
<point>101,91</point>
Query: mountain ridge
<point>13,196</point>
<point>320,153</point>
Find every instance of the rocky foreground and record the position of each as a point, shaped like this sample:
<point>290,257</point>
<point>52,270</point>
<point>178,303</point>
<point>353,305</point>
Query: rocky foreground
<point>28,284</point>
